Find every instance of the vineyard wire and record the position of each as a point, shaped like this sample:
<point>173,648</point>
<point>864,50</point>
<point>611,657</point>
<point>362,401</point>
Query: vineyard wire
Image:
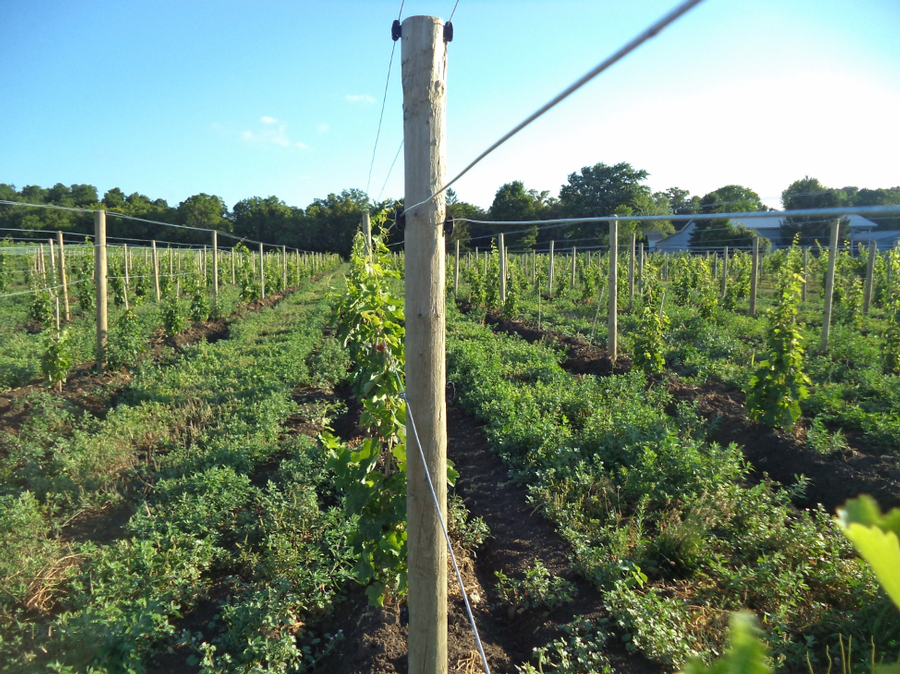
<point>654,30</point>
<point>462,589</point>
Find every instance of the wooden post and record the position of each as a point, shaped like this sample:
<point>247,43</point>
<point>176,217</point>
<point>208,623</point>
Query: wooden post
<point>456,270</point>
<point>215,247</point>
<point>754,275</point>
<point>631,269</point>
<point>62,273</point>
<point>262,273</point>
<point>640,265</point>
<point>612,320</point>
<point>233,271</point>
<point>550,272</point>
<point>870,273</point>
<point>829,285</point>
<point>424,59</point>
<point>502,270</point>
<point>284,279</point>
<point>100,275</point>
<point>52,261</point>
<point>533,265</point>
<point>367,233</point>
<point>574,258</point>
<point>155,256</point>
<point>805,264</point>
<point>724,271</point>
<point>125,268</point>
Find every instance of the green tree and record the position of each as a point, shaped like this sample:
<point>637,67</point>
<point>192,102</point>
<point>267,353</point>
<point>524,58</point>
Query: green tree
<point>513,202</point>
<point>329,224</point>
<point>114,199</point>
<point>602,189</point>
<point>720,232</point>
<point>268,219</point>
<point>810,193</point>
<point>205,211</point>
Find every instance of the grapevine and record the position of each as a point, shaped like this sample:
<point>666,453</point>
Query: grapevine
<point>779,385</point>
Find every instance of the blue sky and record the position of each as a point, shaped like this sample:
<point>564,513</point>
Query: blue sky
<point>279,97</point>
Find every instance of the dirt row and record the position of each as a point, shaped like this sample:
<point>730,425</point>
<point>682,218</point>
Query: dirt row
<point>781,455</point>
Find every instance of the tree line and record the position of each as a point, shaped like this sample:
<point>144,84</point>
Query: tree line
<point>329,224</point>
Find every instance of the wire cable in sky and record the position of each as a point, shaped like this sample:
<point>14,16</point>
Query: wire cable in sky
<point>651,32</point>
<point>390,170</point>
<point>455,5</point>
<point>383,102</point>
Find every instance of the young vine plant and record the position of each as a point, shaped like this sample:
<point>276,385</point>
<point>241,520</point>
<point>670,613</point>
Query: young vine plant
<point>372,475</point>
<point>779,385</point>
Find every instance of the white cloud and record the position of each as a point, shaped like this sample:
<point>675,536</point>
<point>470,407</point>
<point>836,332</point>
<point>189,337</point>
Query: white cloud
<point>265,119</point>
<point>359,98</point>
<point>302,146</point>
<point>269,132</point>
<point>322,127</point>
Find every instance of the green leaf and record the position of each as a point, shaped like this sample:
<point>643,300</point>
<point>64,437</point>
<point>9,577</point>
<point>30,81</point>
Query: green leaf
<point>877,539</point>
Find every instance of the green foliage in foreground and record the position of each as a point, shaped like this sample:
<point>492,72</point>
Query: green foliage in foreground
<point>660,519</point>
<point>194,431</point>
<point>779,385</point>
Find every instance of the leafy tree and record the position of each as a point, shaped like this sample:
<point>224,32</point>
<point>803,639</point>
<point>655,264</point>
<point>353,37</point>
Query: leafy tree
<point>330,224</point>
<point>114,199</point>
<point>460,211</point>
<point>268,219</point>
<point>877,197</point>
<point>512,202</point>
<point>810,193</point>
<point>600,190</point>
<point>84,195</point>
<point>204,210</point>
<point>720,232</point>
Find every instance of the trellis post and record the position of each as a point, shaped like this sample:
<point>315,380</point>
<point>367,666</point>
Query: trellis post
<point>424,64</point>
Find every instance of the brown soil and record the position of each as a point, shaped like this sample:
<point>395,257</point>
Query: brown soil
<point>375,639</point>
<point>832,478</point>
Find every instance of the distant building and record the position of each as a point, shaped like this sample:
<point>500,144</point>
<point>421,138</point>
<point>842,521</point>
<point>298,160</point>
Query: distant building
<point>769,227</point>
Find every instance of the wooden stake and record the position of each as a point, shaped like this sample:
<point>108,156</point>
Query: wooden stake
<point>829,285</point>
<point>456,270</point>
<point>262,273</point>
<point>62,274</point>
<point>215,247</point>
<point>367,233</point>
<point>100,277</point>
<point>631,269</point>
<point>550,274</point>
<point>805,264</point>
<point>424,59</point>
<point>870,274</point>
<point>502,270</point>
<point>754,275</point>
<point>724,271</point>
<point>155,260</point>
<point>284,279</point>
<point>574,258</point>
<point>613,319</point>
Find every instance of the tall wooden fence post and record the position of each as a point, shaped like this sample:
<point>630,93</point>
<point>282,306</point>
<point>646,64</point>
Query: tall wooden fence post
<point>100,274</point>
<point>805,273</point>
<point>424,67</point>
<point>870,274</point>
<point>215,253</point>
<point>574,258</point>
<point>502,270</point>
<point>550,272</point>
<point>284,278</point>
<point>724,272</point>
<point>63,280</point>
<point>829,285</point>
<point>456,270</point>
<point>367,233</point>
<point>262,273</point>
<point>631,269</point>
<point>754,275</point>
<point>612,321</point>
<point>155,270</point>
